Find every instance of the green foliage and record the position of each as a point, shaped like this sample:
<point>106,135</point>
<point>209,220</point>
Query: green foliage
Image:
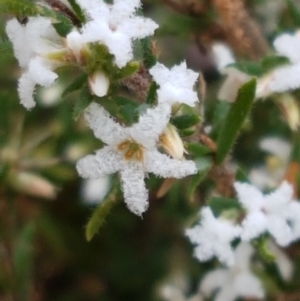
<point>203,166</point>
<point>185,121</point>
<point>220,204</point>
<point>149,58</point>
<point>23,259</point>
<point>100,214</point>
<point>235,119</point>
<point>82,102</point>
<point>197,150</point>
<point>294,12</point>
<point>5,45</point>
<point>152,93</point>
<point>261,245</point>
<point>76,84</point>
<point>127,110</point>
<point>251,68</point>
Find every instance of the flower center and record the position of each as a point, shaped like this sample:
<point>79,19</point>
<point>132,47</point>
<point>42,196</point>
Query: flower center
<point>131,150</point>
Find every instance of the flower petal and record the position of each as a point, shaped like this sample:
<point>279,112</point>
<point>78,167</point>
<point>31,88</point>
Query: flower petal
<point>163,166</point>
<point>26,88</point>
<point>133,185</point>
<point>106,161</point>
<point>151,125</point>
<point>103,126</point>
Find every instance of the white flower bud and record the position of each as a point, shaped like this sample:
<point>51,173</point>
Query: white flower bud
<point>99,83</point>
<point>171,142</point>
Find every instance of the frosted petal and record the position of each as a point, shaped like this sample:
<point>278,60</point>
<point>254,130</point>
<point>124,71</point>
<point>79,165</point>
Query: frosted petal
<point>103,126</point>
<point>163,166</point>
<point>94,8</point>
<point>253,225</point>
<point>106,161</point>
<point>133,185</point>
<point>26,88</point>
<point>151,125</point>
<point>288,45</point>
<point>41,73</point>
<point>213,280</point>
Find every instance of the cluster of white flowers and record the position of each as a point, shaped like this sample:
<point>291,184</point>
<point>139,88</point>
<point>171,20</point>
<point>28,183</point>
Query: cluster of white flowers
<point>40,50</point>
<point>276,213</point>
<point>280,79</point>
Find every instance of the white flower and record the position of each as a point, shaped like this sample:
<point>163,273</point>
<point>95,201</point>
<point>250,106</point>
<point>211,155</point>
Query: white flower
<point>286,77</point>
<point>99,83</point>
<point>175,85</point>
<point>40,50</point>
<point>212,237</point>
<point>234,282</point>
<point>132,152</point>
<point>276,213</point>
<point>115,26</point>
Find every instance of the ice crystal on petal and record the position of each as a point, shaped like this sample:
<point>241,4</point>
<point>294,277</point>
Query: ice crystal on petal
<point>132,152</point>
<point>271,213</point>
<point>236,281</point>
<point>176,84</point>
<point>212,237</point>
<point>116,26</point>
<point>288,45</point>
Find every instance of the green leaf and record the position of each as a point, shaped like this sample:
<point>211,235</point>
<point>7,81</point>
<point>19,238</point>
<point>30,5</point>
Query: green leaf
<point>185,121</point>
<point>5,45</point>
<point>76,84</point>
<point>152,93</point>
<point>128,110</point>
<point>77,10</point>
<point>241,176</point>
<point>235,119</point>
<point>197,149</point>
<point>261,245</point>
<point>203,166</point>
<point>62,28</point>
<point>18,7</point>
<point>100,213</point>
<point>220,204</point>
<point>129,69</point>
<point>294,12</point>
<point>250,68</point>
<point>23,259</point>
<point>268,63</point>
<point>149,58</point>
<point>82,102</point>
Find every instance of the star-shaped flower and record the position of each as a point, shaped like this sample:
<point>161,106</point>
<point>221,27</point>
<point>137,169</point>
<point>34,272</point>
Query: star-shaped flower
<point>212,237</point>
<point>116,26</point>
<point>40,50</point>
<point>236,281</point>
<point>132,152</point>
<point>274,213</point>
<point>176,84</point>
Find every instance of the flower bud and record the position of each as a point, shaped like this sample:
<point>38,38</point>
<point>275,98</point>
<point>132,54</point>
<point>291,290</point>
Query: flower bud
<point>290,110</point>
<point>33,184</point>
<point>171,142</point>
<point>99,83</point>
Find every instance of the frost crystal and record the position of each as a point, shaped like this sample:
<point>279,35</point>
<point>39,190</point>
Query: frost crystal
<point>132,152</point>
<point>176,84</point>
<point>116,26</point>
<point>234,282</point>
<point>212,237</point>
<point>276,213</point>
<point>40,50</point>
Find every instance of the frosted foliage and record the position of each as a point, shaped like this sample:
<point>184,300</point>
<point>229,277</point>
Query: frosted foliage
<point>288,45</point>
<point>112,159</point>
<point>103,126</point>
<point>234,282</point>
<point>116,26</point>
<point>166,167</point>
<point>212,237</point>
<point>134,190</point>
<point>176,84</point>
<point>26,88</point>
<point>272,213</point>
